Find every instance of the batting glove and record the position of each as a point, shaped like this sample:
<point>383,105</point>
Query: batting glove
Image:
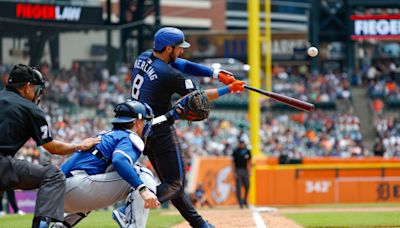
<point>224,76</point>
<point>237,86</point>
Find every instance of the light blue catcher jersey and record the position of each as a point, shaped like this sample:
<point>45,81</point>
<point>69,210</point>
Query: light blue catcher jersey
<point>125,142</point>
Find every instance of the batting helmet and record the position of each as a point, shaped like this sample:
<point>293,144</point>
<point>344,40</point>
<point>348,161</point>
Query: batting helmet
<point>169,36</point>
<point>130,110</point>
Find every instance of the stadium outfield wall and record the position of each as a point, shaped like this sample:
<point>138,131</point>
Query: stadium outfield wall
<point>316,181</point>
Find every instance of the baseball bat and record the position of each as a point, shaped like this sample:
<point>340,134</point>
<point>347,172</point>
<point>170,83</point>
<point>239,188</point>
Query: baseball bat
<point>302,105</point>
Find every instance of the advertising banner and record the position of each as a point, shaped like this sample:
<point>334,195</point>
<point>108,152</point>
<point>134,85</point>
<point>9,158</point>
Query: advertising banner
<point>302,184</point>
<point>215,174</point>
<point>26,201</point>
<point>379,27</point>
<point>55,13</point>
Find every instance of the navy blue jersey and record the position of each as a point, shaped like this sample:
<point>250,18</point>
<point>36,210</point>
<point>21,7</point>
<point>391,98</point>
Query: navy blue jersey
<point>125,142</point>
<point>154,81</point>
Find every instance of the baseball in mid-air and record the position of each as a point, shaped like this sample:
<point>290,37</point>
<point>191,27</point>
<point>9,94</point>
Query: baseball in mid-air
<point>312,51</point>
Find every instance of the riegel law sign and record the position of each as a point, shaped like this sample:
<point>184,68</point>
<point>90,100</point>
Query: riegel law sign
<point>383,27</point>
<point>48,12</point>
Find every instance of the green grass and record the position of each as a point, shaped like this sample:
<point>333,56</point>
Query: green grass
<point>162,219</point>
<point>346,219</point>
<point>16,221</point>
<point>353,205</point>
<point>96,220</point>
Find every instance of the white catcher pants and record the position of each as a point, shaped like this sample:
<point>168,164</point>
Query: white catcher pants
<point>85,193</point>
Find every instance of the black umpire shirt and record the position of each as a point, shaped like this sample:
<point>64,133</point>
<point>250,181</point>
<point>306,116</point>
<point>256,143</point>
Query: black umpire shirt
<point>20,119</point>
<point>240,157</point>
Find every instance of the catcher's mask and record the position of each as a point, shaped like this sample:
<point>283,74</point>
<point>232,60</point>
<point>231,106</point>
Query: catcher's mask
<point>132,110</point>
<point>149,123</point>
<point>24,74</point>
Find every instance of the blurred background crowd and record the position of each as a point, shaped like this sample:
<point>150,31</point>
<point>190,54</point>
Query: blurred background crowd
<point>80,100</point>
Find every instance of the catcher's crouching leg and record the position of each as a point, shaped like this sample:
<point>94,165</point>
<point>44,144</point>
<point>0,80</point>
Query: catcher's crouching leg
<point>71,220</point>
<point>133,214</point>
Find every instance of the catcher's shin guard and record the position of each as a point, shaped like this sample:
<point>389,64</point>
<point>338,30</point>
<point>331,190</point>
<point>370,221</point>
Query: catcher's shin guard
<point>133,214</point>
<point>71,220</point>
<point>75,218</point>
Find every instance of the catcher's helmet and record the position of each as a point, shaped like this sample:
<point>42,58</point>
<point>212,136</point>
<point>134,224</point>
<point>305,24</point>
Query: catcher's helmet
<point>130,110</point>
<point>169,36</point>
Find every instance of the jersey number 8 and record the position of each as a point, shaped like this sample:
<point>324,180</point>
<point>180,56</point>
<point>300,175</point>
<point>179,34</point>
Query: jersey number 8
<point>136,84</point>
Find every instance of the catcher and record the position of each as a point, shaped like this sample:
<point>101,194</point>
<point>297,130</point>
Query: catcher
<point>105,174</point>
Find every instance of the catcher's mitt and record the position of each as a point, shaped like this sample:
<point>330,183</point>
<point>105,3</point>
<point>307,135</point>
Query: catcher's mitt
<point>193,106</point>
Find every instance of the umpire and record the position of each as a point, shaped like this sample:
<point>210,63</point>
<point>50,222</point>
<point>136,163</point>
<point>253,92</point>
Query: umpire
<point>22,119</point>
<point>242,164</point>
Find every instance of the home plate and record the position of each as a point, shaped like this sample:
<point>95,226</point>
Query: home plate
<point>264,209</point>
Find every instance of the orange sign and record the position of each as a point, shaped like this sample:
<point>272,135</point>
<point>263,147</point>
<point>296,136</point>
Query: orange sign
<point>285,185</point>
<point>216,176</point>
<point>300,184</point>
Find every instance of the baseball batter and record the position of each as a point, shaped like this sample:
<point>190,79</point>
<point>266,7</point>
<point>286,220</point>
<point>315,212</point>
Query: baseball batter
<point>156,76</point>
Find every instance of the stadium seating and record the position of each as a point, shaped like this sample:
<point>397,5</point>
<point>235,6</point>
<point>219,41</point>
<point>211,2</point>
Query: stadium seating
<point>80,110</point>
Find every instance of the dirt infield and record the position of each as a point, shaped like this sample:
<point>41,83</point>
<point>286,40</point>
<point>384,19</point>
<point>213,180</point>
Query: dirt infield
<point>235,217</point>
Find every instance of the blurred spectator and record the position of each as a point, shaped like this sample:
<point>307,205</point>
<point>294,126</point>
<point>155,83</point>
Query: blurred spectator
<point>204,48</point>
<point>3,78</point>
<point>372,73</point>
<point>355,78</point>
<point>199,197</point>
<point>12,201</point>
<point>378,105</point>
<point>388,132</point>
<point>379,149</point>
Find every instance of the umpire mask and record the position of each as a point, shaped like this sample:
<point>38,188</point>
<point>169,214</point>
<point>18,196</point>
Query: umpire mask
<point>39,85</point>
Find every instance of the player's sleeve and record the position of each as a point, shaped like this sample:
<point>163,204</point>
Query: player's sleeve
<point>124,157</point>
<point>40,128</point>
<point>192,68</point>
<point>181,84</point>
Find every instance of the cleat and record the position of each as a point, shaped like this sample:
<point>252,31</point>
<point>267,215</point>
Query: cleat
<point>207,225</point>
<point>119,216</point>
<point>19,212</point>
